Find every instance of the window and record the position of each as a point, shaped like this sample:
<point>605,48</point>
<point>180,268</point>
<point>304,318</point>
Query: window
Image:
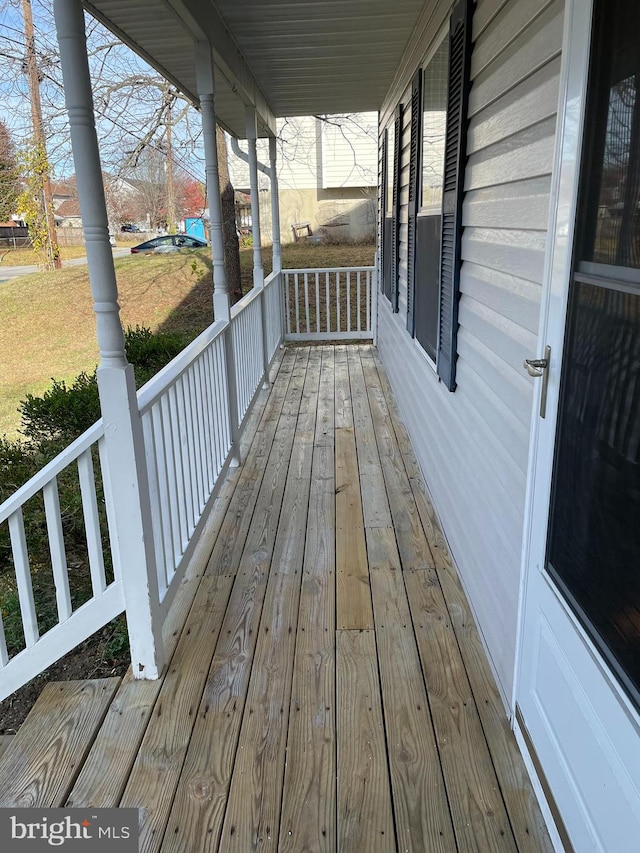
<point>438,153</point>
<point>431,125</point>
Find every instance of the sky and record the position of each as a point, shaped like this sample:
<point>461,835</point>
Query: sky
<point>125,117</point>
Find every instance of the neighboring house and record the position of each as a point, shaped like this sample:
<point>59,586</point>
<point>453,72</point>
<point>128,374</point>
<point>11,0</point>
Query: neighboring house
<point>124,201</point>
<point>327,174</point>
<point>66,207</point>
<point>509,164</point>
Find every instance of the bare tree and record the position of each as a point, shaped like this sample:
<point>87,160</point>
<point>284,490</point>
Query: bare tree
<point>229,229</point>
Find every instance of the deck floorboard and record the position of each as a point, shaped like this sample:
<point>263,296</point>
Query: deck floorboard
<point>328,690</point>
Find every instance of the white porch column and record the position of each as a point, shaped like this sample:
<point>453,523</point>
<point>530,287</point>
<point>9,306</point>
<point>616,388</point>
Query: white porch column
<point>221,295</point>
<point>258,270</point>
<point>275,205</point>
<point>132,546</point>
<point>206,94</point>
<point>252,135</point>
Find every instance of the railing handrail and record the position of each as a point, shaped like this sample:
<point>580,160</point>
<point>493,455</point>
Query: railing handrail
<point>254,293</point>
<point>152,389</point>
<point>70,453</point>
<point>329,270</point>
<point>243,303</point>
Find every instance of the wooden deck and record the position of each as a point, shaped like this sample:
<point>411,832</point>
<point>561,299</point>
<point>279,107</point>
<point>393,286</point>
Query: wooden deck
<point>328,690</point>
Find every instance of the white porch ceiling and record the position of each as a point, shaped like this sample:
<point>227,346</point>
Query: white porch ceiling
<point>288,57</point>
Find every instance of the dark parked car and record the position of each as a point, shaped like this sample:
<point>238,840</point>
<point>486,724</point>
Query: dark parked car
<point>169,243</point>
<point>128,226</point>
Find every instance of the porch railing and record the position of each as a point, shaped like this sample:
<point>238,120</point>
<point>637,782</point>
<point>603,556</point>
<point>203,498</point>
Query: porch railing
<point>75,621</point>
<point>329,304</point>
<point>186,412</point>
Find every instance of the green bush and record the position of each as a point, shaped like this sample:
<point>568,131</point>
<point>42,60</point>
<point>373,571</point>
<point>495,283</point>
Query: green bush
<point>149,352</point>
<point>64,411</point>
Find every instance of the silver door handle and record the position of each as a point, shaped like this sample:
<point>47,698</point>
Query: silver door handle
<point>539,367</point>
<point>536,366</point>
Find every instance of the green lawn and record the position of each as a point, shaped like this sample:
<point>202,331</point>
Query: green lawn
<point>48,327</point>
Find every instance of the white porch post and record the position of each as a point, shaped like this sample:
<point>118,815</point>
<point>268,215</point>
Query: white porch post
<point>258,269</point>
<point>206,94</point>
<point>275,205</point>
<point>133,550</point>
<point>221,294</point>
<point>252,135</point>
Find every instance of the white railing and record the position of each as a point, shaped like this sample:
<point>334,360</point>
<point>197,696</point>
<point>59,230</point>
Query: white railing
<point>329,304</point>
<point>246,324</point>
<point>274,307</point>
<point>187,436</point>
<point>192,415</point>
<point>30,652</point>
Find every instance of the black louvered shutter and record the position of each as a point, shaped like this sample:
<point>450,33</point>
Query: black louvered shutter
<point>395,224</point>
<point>384,184</point>
<point>414,191</point>
<point>453,186</point>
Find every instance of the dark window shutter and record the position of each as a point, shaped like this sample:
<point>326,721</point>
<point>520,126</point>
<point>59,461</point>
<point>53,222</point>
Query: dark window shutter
<point>414,193</point>
<point>395,223</point>
<point>454,162</point>
<point>384,243</point>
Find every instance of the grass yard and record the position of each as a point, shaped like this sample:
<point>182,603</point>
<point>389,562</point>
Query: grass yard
<point>27,257</point>
<point>47,325</point>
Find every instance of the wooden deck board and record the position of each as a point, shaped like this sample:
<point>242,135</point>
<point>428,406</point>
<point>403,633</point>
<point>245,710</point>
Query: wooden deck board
<point>480,817</point>
<point>308,818</point>
<point>421,810</point>
<point>154,777</point>
<point>201,799</point>
<point>412,543</point>
<point>41,762</point>
<point>253,806</point>
<point>329,690</point>
<point>365,815</point>
<point>352,570</point>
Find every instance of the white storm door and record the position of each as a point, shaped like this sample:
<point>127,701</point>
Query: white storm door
<point>578,681</point>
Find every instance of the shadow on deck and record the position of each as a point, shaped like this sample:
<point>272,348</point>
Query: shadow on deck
<point>327,688</point>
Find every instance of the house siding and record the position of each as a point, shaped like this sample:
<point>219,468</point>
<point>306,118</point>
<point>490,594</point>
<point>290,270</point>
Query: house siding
<point>473,444</point>
<point>349,151</point>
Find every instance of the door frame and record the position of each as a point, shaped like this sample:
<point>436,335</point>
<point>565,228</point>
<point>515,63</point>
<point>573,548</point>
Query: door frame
<point>563,203</point>
<point>553,315</point>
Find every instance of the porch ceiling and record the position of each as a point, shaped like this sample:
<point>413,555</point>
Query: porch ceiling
<point>289,57</point>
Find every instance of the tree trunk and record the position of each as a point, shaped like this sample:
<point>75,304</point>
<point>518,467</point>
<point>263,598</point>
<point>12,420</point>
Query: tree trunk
<point>229,231</point>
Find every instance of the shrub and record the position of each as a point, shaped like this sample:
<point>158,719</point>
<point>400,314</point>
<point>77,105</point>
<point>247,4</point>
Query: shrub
<point>64,411</point>
<point>149,352</point>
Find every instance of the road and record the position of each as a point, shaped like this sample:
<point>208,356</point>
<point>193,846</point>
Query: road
<point>8,273</point>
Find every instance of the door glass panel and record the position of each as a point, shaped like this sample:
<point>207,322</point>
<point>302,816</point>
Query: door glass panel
<point>594,548</point>
<point>613,232</point>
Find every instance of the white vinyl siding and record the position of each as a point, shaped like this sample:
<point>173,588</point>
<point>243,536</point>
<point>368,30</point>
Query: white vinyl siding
<point>473,444</point>
<point>349,151</point>
<point>317,154</point>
